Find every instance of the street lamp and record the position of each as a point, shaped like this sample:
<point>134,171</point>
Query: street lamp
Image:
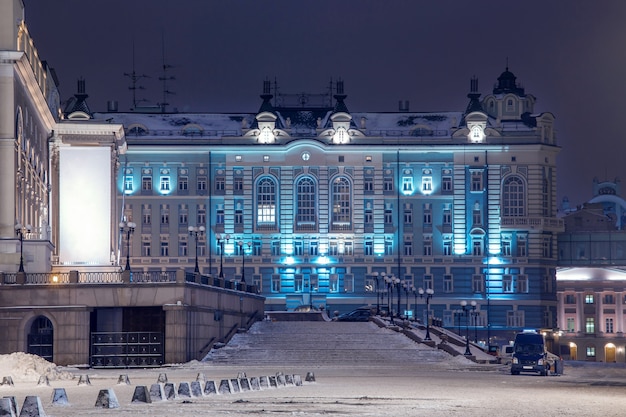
<point>128,228</point>
<point>389,281</point>
<point>406,292</point>
<point>242,248</point>
<point>415,292</point>
<point>428,294</point>
<point>399,288</point>
<point>475,315</point>
<point>220,241</point>
<point>375,275</point>
<point>196,231</point>
<point>19,231</point>
<point>466,309</point>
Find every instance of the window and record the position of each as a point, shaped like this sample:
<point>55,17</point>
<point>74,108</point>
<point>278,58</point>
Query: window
<point>275,248</point>
<point>266,201</point>
<point>165,214</point>
<point>183,183</point>
<point>522,284</point>
<point>297,283</point>
<point>477,181</point>
<point>389,214</point>
<point>428,282</point>
<point>333,283</point>
<point>521,245</point>
<point>507,283</point>
<point>146,246</point>
<point>275,283</point>
<point>348,248</point>
<point>165,249</point>
<point>477,283</point>
<point>368,217</point>
<point>506,247</point>
<point>571,324</point>
<point>201,215</point>
<point>570,299</point>
<point>477,247</point>
<point>202,181</point>
<point>590,325</point>
<point>387,184</point>
<point>407,184</point>
<point>447,283</point>
<point>515,318</point>
<point>146,183</point>
<point>408,247</point>
<point>239,214</point>
<point>608,299</point>
<point>165,184</point>
<point>388,247</point>
<point>128,183</point>
<point>348,283</point>
<point>446,219</point>
<point>477,217</point>
<point>428,246</point>
<point>368,185</point>
<point>608,325</point>
<point>447,247</point>
<point>306,216</point>
<point>146,214</point>
<point>428,215</point>
<point>313,248</point>
<point>183,214</point>
<point>298,248</point>
<point>591,352</point>
<point>238,184</point>
<point>427,185</point>
<point>341,204</point>
<point>446,184</point>
<point>513,197</point>
<point>220,183</point>
<point>219,215</point>
<point>182,248</point>
<point>589,299</point>
<point>369,248</point>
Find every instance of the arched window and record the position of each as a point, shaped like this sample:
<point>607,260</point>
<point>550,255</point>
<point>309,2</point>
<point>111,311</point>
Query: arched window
<point>266,202</point>
<point>341,201</point>
<point>513,193</point>
<point>306,204</point>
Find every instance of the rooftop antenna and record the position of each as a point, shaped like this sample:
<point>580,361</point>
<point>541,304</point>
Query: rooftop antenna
<point>165,78</point>
<point>134,79</point>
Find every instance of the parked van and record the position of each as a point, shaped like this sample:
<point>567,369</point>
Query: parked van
<point>529,354</point>
<point>505,354</point>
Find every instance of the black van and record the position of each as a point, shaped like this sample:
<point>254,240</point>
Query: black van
<point>529,354</point>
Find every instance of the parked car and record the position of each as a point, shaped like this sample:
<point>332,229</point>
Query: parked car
<point>361,314</point>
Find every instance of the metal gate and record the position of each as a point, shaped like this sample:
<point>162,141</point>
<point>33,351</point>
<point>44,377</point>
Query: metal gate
<point>126,349</point>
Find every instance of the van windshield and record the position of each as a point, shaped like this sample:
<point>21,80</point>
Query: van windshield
<point>528,348</point>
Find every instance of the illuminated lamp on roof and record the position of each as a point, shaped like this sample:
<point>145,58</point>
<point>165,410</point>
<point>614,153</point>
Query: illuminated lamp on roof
<point>322,260</point>
<point>289,260</point>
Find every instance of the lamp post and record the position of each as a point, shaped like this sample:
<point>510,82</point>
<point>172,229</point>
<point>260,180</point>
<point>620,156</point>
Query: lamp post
<point>375,275</point>
<point>196,231</point>
<point>399,288</point>
<point>406,293</point>
<point>466,309</point>
<point>128,228</point>
<point>242,248</point>
<point>19,231</point>
<point>415,292</point>
<point>475,315</point>
<point>428,293</point>
<point>220,241</point>
<point>389,282</point>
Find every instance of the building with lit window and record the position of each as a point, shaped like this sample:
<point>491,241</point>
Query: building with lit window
<point>321,206</point>
<point>591,278</point>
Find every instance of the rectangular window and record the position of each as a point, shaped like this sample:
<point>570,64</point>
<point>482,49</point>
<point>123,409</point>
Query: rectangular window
<point>165,214</point>
<point>447,283</point>
<point>515,318</point>
<point>428,247</point>
<point>507,283</point>
<point>408,248</point>
<point>446,217</point>
<point>238,216</point>
<point>165,183</point>
<point>348,248</point>
<point>145,247</point>
<point>428,282</point>
<point>297,283</point>
<point>183,183</point>
<point>427,184</point>
<point>369,217</point>
<point>165,248</point>
<point>446,184</point>
<point>589,299</point>
<point>608,325</point>
<point>219,215</point>
<point>348,283</point>
<point>238,185</point>
<point>146,214</point>
<point>591,351</point>
<point>408,214</point>
<point>388,215</point>
<point>590,325</point>
<point>477,181</point>
<point>506,247</point>
<point>428,214</point>
<point>202,181</point>
<point>570,299</point>
<point>369,248</point>
<point>388,247</point>
<point>183,214</point>
<point>333,283</point>
<point>275,283</point>
<point>478,284</point>
<point>477,216</point>
<point>201,215</point>
<point>368,185</point>
<point>275,248</point>
<point>447,247</point>
<point>407,184</point>
<point>521,246</point>
<point>608,299</point>
<point>146,183</point>
<point>388,184</point>
<point>256,248</point>
<point>182,248</point>
<point>522,284</point>
<point>128,183</point>
<point>477,247</point>
<point>313,249</point>
<point>571,324</point>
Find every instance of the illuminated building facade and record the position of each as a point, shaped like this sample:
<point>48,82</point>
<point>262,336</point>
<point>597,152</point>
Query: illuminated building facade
<point>320,203</point>
<point>591,278</point>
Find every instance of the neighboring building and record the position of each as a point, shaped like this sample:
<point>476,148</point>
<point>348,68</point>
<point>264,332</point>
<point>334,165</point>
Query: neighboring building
<point>591,278</point>
<point>63,294</point>
<point>320,203</point>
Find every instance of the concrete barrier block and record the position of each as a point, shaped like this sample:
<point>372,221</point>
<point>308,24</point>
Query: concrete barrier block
<point>170,391</point>
<point>43,380</point>
<point>224,387</point>
<point>13,401</point>
<point>84,380</point>
<point>244,384</point>
<point>162,379</point>
<point>273,382</point>
<point>210,388</point>
<point>59,397</point>
<point>6,408</point>
<point>184,390</point>
<point>107,399</point>
<point>289,379</point>
<point>156,392</point>
<point>7,380</point>
<point>123,380</point>
<point>264,382</point>
<point>201,377</point>
<point>141,394</point>
<point>32,407</point>
<point>234,382</point>
<point>255,385</point>
<point>196,389</point>
<point>310,377</point>
<point>280,380</point>
<point>241,375</point>
<point>297,380</point>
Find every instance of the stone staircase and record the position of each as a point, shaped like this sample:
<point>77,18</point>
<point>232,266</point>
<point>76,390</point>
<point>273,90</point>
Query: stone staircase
<point>316,342</point>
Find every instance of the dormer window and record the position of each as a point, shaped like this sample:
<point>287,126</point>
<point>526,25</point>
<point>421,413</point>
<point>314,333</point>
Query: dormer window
<point>341,135</point>
<point>267,136</point>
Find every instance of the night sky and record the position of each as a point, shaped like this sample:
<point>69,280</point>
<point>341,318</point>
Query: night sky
<point>570,55</point>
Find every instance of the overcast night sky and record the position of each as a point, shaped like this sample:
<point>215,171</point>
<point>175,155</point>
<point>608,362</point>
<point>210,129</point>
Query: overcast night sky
<point>570,55</point>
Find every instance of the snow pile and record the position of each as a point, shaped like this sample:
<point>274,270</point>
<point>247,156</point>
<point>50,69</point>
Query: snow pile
<point>26,367</point>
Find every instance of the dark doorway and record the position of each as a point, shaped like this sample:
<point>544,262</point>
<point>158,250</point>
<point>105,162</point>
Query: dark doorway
<point>41,337</point>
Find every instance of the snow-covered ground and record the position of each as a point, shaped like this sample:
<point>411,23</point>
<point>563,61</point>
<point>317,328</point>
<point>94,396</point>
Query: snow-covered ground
<point>454,386</point>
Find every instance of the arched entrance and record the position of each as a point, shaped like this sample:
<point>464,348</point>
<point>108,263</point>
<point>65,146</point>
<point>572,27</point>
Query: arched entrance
<point>40,338</point>
<point>573,351</point>
<point>609,352</point>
